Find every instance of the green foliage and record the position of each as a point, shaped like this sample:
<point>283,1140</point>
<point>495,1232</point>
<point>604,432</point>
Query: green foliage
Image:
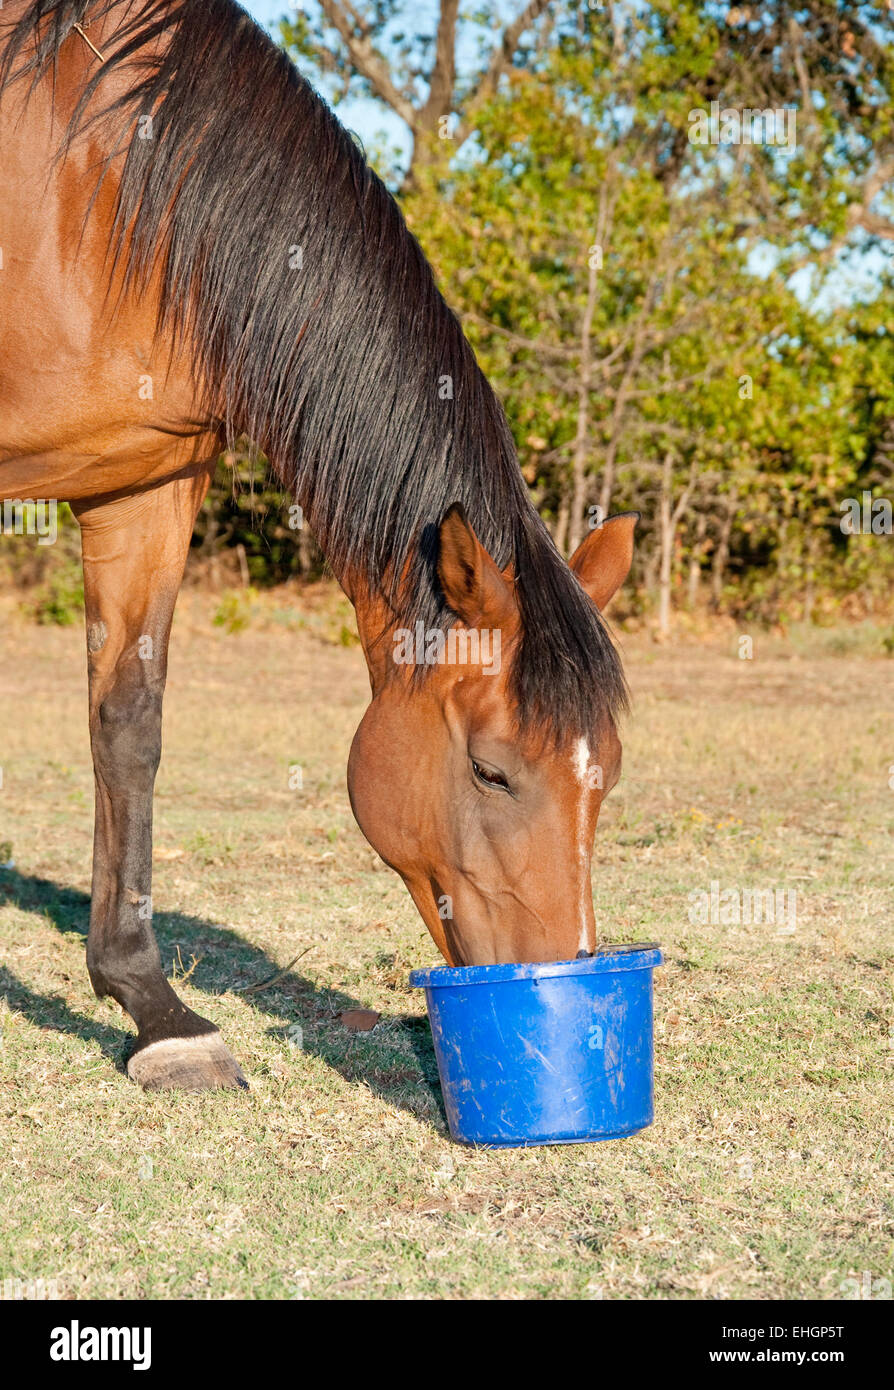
<point>49,574</point>
<point>235,609</point>
<point>688,340</point>
<point>700,332</point>
<point>60,601</point>
<point>245,509</point>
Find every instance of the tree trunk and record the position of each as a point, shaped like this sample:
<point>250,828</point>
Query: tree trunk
<point>810,591</point>
<point>721,554</point>
<point>579,456</point>
<point>560,534</point>
<point>666,548</point>
<point>695,562</point>
<point>670,515</point>
<point>650,569</point>
<point>608,476</point>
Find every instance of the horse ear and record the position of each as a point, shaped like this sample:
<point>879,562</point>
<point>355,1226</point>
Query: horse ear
<point>473,586</point>
<point>602,561</point>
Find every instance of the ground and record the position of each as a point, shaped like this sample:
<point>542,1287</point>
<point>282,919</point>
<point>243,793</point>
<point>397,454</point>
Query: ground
<point>767,1171</point>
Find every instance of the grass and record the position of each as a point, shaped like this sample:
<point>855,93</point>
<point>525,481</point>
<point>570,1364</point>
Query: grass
<point>767,1172</point>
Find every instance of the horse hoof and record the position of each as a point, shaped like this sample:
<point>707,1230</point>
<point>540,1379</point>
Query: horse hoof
<point>203,1063</point>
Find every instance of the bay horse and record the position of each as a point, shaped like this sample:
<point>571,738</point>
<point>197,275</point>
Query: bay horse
<point>193,251</point>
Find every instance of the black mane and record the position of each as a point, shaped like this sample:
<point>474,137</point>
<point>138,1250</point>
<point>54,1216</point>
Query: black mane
<point>337,369</point>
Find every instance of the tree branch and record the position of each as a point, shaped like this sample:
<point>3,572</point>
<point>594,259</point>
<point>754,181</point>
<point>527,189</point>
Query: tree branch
<point>501,60</point>
<point>443,76</point>
<point>355,35</point>
<point>861,214</point>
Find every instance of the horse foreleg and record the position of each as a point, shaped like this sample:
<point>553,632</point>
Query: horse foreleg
<point>134,555</point>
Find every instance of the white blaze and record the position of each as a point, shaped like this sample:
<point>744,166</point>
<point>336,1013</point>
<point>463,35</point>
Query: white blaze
<point>581,762</point>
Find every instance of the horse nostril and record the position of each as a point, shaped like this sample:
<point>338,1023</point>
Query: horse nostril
<point>583,955</point>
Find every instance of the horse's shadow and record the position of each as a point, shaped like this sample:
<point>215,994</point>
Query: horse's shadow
<point>216,959</point>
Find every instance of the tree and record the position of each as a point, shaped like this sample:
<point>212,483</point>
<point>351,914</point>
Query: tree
<point>630,290</point>
<point>372,49</point>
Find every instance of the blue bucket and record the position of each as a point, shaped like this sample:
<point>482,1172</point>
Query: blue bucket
<point>552,1053</point>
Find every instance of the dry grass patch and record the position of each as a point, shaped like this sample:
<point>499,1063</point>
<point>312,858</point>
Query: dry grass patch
<point>767,1171</point>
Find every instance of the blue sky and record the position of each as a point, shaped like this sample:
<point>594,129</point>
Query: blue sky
<point>265,11</point>
<point>367,118</point>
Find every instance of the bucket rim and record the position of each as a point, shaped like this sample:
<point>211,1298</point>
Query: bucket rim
<point>611,958</point>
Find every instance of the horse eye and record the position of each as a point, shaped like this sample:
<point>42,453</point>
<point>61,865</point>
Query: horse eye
<point>489,778</point>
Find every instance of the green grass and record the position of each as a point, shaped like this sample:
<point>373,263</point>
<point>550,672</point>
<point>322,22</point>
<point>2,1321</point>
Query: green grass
<point>767,1172</point>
